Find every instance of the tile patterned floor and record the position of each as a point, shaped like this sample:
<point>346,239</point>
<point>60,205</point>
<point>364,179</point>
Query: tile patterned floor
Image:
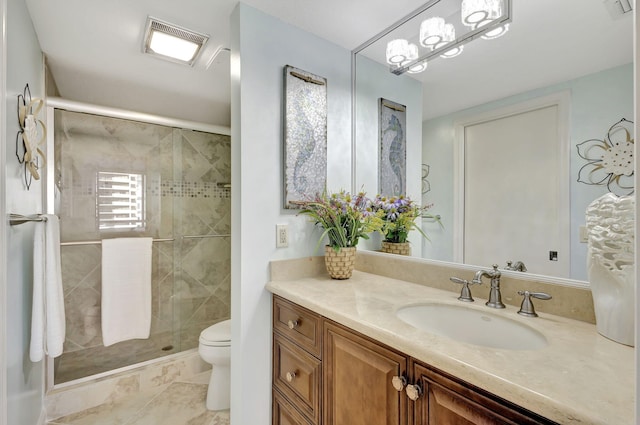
<point>179,403</point>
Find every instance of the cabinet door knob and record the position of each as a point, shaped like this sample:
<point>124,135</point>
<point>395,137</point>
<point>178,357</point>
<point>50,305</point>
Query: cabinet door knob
<point>414,391</point>
<point>291,376</point>
<point>399,382</point>
<point>292,323</point>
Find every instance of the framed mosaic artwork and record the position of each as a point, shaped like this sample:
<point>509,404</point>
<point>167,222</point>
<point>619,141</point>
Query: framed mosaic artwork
<point>392,161</point>
<point>305,136</point>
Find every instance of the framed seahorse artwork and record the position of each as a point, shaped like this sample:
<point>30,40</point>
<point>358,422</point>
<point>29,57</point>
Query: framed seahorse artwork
<point>392,159</point>
<point>305,136</point>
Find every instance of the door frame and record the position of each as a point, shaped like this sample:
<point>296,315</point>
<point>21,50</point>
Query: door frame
<point>562,101</point>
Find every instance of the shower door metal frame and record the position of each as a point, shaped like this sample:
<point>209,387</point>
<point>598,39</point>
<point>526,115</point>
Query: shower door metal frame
<point>49,187</point>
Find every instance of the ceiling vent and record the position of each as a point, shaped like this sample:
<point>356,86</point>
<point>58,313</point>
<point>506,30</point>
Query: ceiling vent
<point>618,8</point>
<point>171,42</point>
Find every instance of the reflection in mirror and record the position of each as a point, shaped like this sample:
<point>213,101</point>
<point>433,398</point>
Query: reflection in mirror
<point>569,71</point>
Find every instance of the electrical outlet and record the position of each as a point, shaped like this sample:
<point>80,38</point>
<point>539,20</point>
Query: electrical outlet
<point>282,235</point>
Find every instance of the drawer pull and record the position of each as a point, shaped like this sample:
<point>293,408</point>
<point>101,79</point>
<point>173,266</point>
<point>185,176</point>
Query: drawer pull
<point>291,376</point>
<point>293,323</point>
<point>399,382</point>
<point>414,391</point>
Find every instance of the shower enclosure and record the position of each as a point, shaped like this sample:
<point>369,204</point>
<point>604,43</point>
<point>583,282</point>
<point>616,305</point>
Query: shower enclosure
<point>115,177</point>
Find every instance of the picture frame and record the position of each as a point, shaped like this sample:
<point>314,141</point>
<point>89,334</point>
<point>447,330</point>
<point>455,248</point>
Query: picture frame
<point>305,136</point>
<point>392,159</point>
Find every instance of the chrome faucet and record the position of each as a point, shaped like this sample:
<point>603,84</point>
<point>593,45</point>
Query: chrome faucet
<point>495,298</point>
<point>518,266</point>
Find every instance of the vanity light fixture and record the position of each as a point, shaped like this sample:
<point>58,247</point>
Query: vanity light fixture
<point>448,36</point>
<point>432,31</point>
<point>487,19</point>
<point>473,12</point>
<point>171,42</point>
<point>397,51</point>
<point>478,13</point>
<point>412,54</point>
<point>495,33</point>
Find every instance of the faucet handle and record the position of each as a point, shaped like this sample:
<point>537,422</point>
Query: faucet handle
<point>465,293</point>
<point>526,308</point>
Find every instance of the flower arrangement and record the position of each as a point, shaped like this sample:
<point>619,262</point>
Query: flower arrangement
<point>344,218</point>
<point>399,215</point>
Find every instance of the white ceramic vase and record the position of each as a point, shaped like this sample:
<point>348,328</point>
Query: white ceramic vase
<point>610,265</point>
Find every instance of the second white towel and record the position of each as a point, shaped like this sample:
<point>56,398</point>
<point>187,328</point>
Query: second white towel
<point>48,318</point>
<point>126,289</point>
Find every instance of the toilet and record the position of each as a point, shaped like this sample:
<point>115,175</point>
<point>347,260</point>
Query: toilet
<point>215,349</point>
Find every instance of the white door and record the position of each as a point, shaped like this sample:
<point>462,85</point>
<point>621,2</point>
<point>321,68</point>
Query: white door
<point>513,192</point>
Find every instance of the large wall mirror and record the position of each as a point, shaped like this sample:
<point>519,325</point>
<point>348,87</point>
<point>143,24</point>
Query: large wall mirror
<point>491,133</point>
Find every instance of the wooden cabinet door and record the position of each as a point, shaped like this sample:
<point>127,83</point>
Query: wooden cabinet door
<point>446,401</point>
<point>357,377</point>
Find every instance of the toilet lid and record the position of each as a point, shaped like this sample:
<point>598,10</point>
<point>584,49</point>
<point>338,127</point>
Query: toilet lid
<point>220,332</point>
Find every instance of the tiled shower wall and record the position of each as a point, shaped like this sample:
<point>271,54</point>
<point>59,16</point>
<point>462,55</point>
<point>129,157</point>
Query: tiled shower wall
<point>185,172</point>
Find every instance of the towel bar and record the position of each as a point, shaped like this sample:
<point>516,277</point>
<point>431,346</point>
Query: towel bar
<point>434,219</point>
<point>16,219</point>
<point>204,236</point>
<point>99,242</point>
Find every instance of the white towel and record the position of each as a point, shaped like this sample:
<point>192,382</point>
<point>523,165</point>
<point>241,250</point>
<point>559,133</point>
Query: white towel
<point>126,289</point>
<point>47,315</point>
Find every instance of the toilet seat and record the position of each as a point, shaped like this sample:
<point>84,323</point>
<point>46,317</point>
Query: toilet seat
<point>217,335</point>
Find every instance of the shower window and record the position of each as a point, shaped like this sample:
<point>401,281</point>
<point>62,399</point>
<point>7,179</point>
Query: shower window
<point>120,201</point>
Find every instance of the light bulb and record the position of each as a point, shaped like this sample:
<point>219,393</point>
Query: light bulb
<point>496,32</point>
<point>412,54</point>
<point>397,51</point>
<point>431,31</point>
<point>452,53</point>
<point>474,11</point>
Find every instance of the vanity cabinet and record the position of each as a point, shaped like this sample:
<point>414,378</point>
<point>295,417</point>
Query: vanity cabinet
<point>297,366</point>
<point>445,400</point>
<point>357,378</point>
<point>327,374</point>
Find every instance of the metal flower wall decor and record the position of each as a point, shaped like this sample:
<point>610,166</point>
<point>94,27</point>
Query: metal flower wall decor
<point>31,136</point>
<point>610,160</point>
<point>426,186</point>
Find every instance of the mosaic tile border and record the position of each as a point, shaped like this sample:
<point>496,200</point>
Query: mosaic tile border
<point>174,188</point>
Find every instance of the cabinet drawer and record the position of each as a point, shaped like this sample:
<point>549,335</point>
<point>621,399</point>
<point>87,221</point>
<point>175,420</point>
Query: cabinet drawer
<point>297,374</point>
<point>299,324</point>
<point>284,413</point>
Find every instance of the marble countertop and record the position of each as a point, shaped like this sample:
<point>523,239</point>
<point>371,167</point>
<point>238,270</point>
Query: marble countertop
<point>579,377</point>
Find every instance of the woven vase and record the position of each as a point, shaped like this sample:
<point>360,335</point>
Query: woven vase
<point>400,248</point>
<point>340,264</point>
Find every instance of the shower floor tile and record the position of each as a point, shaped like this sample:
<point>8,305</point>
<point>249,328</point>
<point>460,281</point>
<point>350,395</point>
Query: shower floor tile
<point>95,360</point>
<point>180,403</point>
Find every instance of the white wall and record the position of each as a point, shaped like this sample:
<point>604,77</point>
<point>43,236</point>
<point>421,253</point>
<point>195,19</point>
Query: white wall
<point>25,380</point>
<point>374,81</point>
<point>597,102</point>
<point>261,46</point>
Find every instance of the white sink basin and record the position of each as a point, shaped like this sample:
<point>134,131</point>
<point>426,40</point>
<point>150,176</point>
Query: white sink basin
<point>472,326</point>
